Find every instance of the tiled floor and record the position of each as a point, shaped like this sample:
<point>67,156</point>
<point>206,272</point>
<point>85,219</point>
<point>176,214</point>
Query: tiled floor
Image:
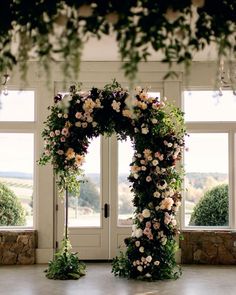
<point>196,280</point>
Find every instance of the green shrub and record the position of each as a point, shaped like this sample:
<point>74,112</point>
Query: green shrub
<point>212,209</point>
<point>11,210</point>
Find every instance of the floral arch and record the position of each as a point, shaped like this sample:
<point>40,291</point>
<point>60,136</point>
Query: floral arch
<point>156,129</point>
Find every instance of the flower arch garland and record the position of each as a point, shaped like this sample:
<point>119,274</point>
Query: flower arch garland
<point>156,129</point>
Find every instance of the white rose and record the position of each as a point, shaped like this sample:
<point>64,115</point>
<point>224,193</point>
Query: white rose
<point>140,268</point>
<point>146,213</point>
<point>155,162</point>
<point>156,262</point>
<point>154,121</point>
<point>138,232</point>
<point>149,258</point>
<point>156,194</point>
<point>145,130</point>
<point>137,243</point>
<point>141,249</point>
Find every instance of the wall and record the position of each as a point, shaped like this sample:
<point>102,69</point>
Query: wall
<point>18,247</point>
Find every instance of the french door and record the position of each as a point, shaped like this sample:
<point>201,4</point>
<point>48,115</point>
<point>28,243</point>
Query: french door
<point>100,218</point>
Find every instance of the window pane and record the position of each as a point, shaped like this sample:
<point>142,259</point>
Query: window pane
<point>84,210</point>
<point>16,179</point>
<point>125,196</point>
<point>17,106</point>
<point>206,180</point>
<point>207,106</point>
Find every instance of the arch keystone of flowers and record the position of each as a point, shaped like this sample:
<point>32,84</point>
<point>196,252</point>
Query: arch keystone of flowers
<point>156,129</point>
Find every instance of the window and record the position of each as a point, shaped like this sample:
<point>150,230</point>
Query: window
<point>17,106</point>
<point>17,159</point>
<point>207,159</point>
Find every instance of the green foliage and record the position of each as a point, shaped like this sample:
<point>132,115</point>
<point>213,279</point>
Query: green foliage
<point>212,209</point>
<point>11,210</point>
<point>140,27</point>
<point>65,265</point>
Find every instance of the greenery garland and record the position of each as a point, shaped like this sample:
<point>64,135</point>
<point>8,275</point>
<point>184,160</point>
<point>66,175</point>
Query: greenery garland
<point>56,30</point>
<point>156,129</point>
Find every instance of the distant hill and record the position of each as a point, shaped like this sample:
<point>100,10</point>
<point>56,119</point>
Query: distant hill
<point>15,174</point>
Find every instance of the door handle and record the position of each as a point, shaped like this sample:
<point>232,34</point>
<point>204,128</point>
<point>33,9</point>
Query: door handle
<point>106,210</point>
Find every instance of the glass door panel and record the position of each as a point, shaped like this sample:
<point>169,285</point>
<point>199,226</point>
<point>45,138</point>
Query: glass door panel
<point>125,196</point>
<point>84,209</point>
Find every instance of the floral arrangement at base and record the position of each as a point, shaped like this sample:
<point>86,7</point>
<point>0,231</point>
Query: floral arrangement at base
<point>65,265</point>
<point>156,129</point>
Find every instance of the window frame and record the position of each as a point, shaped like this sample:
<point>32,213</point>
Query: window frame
<point>24,127</point>
<point>228,127</point>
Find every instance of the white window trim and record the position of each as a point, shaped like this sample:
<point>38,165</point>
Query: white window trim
<point>215,127</point>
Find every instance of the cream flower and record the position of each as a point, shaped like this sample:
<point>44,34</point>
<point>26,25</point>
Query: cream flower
<point>143,96</point>
<point>126,113</point>
<point>149,258</point>
<point>154,121</point>
<point>84,125</point>
<point>141,249</point>
<point>89,119</point>
<point>166,204</point>
<point>156,195</point>
<point>94,124</point>
<point>135,176</point>
<point>137,243</point>
<point>78,124</point>
<point>145,130</point>
<point>116,106</point>
<point>79,160</point>
<point>155,162</point>
<point>138,233</point>
<point>147,153</point>
<point>52,134</point>
<point>47,152</point>
<point>174,222</point>
<point>146,213</point>
<point>156,262</point>
<point>135,168</point>
<point>140,268</point>
<point>143,168</point>
<point>60,152</point>
<point>149,158</point>
<point>57,132</point>
<point>88,105</point>
<point>162,185</point>
<point>142,105</point>
<point>70,154</point>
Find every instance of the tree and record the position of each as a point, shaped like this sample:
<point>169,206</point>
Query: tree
<point>11,210</point>
<point>212,209</point>
<point>88,197</point>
